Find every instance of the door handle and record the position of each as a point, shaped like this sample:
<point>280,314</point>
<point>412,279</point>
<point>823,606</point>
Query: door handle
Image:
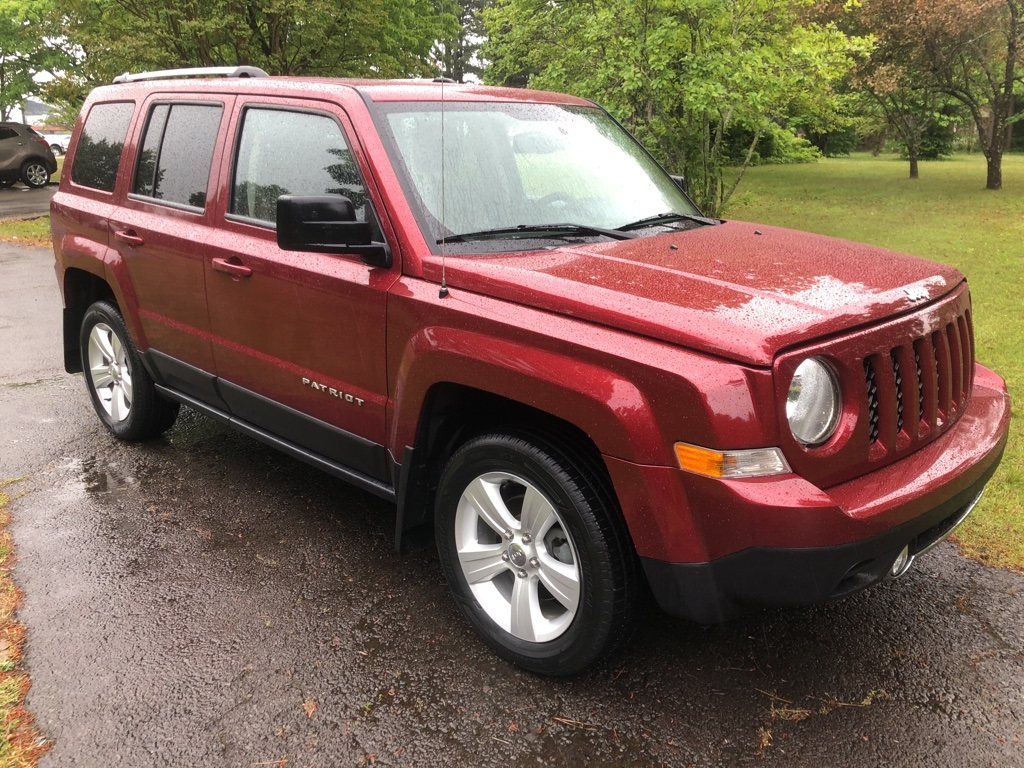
<point>128,237</point>
<point>232,266</point>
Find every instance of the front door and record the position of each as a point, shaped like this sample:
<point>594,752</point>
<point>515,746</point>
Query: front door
<point>298,338</point>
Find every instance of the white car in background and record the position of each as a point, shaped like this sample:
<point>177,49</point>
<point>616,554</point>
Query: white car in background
<point>59,142</point>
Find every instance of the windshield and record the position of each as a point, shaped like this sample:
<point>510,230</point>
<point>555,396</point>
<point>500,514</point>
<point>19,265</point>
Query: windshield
<point>522,165</point>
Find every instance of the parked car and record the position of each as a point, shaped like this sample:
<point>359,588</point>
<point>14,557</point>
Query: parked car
<point>24,156</point>
<point>59,142</point>
<point>493,308</point>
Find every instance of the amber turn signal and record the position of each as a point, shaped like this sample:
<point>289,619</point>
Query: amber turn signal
<point>756,462</point>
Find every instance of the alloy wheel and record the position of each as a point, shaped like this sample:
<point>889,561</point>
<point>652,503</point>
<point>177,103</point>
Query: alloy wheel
<point>517,558</point>
<point>109,372</point>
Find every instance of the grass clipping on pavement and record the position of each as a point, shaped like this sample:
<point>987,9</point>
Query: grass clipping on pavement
<point>26,231</point>
<point>20,745</point>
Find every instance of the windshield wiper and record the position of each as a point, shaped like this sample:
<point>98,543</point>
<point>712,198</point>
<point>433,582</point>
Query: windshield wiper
<point>537,230</point>
<point>666,218</point>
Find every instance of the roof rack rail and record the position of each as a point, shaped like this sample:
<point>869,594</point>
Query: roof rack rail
<point>192,72</point>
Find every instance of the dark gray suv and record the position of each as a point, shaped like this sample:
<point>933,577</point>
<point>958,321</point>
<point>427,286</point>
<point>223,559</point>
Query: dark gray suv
<point>24,155</point>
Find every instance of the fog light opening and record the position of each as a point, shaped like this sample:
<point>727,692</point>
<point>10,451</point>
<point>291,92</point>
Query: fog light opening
<point>902,563</point>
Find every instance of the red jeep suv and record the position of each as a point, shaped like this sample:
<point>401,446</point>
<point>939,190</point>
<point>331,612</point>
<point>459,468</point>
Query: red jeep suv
<point>494,308</point>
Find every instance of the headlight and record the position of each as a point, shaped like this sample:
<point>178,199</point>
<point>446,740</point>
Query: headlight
<point>813,403</point>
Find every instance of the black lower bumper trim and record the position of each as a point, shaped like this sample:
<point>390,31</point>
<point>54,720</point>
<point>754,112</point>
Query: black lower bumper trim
<point>716,591</point>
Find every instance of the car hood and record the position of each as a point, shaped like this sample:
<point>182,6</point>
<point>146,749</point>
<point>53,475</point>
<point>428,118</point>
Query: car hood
<point>737,290</point>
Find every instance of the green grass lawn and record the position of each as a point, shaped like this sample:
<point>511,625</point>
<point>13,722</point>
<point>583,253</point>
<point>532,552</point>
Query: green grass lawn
<point>26,231</point>
<point>31,231</point>
<point>948,216</point>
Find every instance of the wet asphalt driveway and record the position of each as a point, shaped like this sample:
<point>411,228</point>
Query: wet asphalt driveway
<point>202,600</point>
<point>21,202</point>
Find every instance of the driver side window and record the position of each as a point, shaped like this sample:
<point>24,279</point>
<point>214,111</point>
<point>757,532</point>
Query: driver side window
<point>291,153</point>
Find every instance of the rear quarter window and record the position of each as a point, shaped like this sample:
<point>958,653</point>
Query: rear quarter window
<point>100,145</point>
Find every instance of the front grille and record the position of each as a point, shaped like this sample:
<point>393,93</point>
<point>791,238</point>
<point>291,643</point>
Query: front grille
<point>905,380</point>
<point>938,366</point>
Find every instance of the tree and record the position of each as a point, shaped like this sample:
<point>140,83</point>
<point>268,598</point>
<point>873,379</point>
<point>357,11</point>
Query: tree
<point>457,50</point>
<point>975,49</point>
<point>680,74</point>
<point>971,50</point>
<point>358,38</point>
<point>896,75</point>
<point>24,53</point>
<point>911,105</point>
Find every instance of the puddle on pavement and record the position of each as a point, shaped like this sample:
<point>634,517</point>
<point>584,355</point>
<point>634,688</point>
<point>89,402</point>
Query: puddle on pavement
<point>101,477</point>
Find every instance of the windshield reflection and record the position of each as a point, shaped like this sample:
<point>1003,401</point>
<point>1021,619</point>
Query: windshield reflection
<point>522,165</point>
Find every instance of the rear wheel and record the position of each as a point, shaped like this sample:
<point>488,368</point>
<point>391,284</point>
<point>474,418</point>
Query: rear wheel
<point>35,174</point>
<point>535,552</point>
<point>122,392</point>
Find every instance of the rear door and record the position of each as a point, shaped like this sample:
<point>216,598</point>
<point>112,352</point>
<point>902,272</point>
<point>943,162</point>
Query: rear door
<point>160,229</point>
<point>299,338</point>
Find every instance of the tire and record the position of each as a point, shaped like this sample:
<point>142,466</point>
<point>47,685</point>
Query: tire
<point>35,174</point>
<point>556,590</point>
<point>57,149</point>
<point>121,389</point>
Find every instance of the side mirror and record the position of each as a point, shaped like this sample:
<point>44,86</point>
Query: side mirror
<point>327,224</point>
<point>680,182</point>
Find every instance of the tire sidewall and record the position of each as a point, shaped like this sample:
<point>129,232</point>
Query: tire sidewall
<point>583,639</point>
<point>103,312</point>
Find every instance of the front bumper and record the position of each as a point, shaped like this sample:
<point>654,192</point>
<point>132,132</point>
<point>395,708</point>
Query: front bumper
<point>781,541</point>
<point>722,589</point>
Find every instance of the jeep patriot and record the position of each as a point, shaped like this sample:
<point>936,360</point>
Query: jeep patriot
<point>493,308</point>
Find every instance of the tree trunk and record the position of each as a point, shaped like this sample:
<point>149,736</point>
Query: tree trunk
<point>914,174</point>
<point>995,170</point>
<point>1009,125</point>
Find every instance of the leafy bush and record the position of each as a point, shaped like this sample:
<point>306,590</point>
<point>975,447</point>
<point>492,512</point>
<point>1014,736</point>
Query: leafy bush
<point>779,146</point>
<point>836,143</point>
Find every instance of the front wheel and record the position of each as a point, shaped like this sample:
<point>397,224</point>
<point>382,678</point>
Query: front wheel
<point>121,390</point>
<point>535,551</point>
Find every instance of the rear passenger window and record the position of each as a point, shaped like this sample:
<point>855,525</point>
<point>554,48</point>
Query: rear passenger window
<point>292,153</point>
<point>100,145</point>
<point>177,150</point>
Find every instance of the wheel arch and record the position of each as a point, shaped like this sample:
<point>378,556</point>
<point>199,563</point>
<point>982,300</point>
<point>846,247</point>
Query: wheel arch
<point>81,290</point>
<point>454,413</point>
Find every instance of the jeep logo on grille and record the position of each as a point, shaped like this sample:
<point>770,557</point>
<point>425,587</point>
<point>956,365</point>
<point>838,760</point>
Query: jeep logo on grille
<point>917,293</point>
